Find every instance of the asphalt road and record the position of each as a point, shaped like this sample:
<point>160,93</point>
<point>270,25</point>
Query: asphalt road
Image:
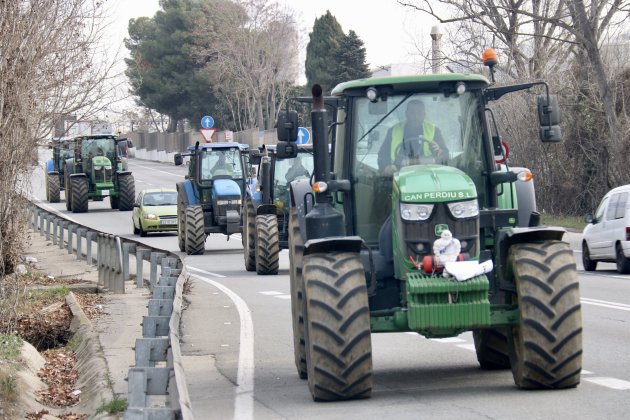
<point>238,350</point>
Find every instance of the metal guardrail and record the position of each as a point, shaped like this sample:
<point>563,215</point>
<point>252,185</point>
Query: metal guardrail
<point>158,370</point>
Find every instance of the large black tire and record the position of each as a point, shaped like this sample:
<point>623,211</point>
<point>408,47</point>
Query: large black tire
<point>546,348</point>
<point>127,192</point>
<point>249,236</point>
<point>68,192</point>
<point>623,263</point>
<point>491,345</point>
<point>267,244</point>
<point>52,189</point>
<point>296,252</point>
<point>195,235</point>
<point>337,327</point>
<point>80,197</point>
<point>181,225</point>
<point>114,202</point>
<point>589,265</point>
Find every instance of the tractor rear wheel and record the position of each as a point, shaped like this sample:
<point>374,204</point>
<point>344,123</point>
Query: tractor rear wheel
<point>79,194</point>
<point>195,234</point>
<point>546,348</point>
<point>68,192</point>
<point>296,251</point>
<point>492,348</point>
<point>337,327</point>
<point>126,192</point>
<point>52,189</point>
<point>267,244</point>
<point>249,236</point>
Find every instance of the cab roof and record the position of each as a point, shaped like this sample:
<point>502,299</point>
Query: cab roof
<point>423,82</point>
<point>219,146</point>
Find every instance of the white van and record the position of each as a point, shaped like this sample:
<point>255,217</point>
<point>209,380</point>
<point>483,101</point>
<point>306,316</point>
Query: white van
<point>607,235</point>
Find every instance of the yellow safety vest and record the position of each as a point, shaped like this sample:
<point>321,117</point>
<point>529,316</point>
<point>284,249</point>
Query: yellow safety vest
<point>398,131</point>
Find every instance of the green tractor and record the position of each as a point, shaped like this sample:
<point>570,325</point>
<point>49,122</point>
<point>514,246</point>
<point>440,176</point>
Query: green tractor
<point>266,206</point>
<point>95,171</point>
<point>62,149</point>
<point>415,226</point>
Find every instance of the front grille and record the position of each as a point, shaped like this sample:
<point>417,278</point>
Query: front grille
<point>103,175</point>
<point>418,237</point>
<point>169,217</point>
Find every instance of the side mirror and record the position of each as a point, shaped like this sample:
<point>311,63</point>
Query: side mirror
<point>589,218</point>
<point>287,125</point>
<point>286,149</point>
<point>500,177</point>
<point>129,144</point>
<point>549,118</point>
<point>178,159</point>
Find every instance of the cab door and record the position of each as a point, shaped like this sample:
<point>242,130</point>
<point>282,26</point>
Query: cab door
<point>601,242</point>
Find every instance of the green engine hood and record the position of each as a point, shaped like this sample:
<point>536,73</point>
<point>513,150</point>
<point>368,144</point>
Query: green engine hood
<point>433,183</point>
<point>101,161</point>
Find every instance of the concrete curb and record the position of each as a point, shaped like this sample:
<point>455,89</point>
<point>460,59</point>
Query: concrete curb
<point>91,364</point>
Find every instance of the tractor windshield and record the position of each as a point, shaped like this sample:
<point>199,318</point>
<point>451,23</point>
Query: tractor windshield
<point>91,147</point>
<point>288,170</point>
<point>410,129</point>
<point>221,164</point>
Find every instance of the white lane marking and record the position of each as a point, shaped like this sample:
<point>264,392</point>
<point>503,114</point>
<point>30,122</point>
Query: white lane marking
<point>606,304</point>
<point>612,383</point>
<point>244,401</point>
<point>270,293</point>
<point>208,273</point>
<point>283,296</point>
<point>586,372</point>
<point>448,340</point>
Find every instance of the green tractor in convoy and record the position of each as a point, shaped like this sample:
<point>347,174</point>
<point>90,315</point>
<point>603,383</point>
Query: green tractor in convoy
<point>96,170</point>
<point>419,228</point>
<point>266,206</point>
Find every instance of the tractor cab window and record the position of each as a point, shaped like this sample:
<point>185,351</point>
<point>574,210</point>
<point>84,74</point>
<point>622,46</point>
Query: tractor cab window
<point>98,147</point>
<point>412,129</point>
<point>221,164</point>
<point>289,170</point>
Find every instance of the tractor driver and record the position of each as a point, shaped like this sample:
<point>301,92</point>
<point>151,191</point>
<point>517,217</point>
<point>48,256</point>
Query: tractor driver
<point>221,167</point>
<point>413,141</point>
<point>296,170</point>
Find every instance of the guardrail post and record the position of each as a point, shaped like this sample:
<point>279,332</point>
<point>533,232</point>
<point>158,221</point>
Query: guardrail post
<point>41,223</point>
<point>32,217</point>
<point>89,238</point>
<point>156,258</point>
<point>62,226</point>
<point>100,256</point>
<point>71,229</point>
<point>142,254</point>
<point>55,224</point>
<point>155,326</point>
<point>160,307</point>
<point>80,235</point>
<point>150,350</point>
<point>48,227</point>
<point>127,248</point>
<point>117,274</point>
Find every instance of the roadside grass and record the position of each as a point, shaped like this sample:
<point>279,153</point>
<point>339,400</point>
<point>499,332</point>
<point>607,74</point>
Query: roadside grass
<point>117,405</point>
<point>10,350</point>
<point>574,223</point>
<point>10,346</point>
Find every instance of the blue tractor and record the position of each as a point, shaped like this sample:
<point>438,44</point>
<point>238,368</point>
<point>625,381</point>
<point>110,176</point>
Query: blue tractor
<point>209,200</point>
<point>266,206</point>
<point>62,149</point>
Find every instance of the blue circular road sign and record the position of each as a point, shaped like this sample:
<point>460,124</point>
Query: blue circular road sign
<point>303,136</point>
<point>207,121</point>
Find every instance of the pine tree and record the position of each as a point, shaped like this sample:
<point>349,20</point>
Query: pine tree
<point>323,42</point>
<point>349,60</point>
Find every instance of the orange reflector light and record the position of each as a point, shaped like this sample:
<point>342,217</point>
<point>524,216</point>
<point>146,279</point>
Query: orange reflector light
<point>489,57</point>
<point>525,175</point>
<point>320,187</point>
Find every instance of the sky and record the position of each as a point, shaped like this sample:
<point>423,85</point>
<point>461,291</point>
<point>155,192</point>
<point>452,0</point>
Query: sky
<point>388,30</point>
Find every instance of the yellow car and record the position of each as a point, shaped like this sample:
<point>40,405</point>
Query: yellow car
<point>155,210</point>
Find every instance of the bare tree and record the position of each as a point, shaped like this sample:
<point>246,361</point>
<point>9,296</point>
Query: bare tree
<point>51,65</point>
<point>249,47</point>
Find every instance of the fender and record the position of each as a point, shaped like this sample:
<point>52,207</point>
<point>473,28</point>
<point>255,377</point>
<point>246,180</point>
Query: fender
<point>333,244</point>
<point>507,237</point>
<point>186,191</point>
<point>50,166</point>
<point>266,209</point>
<point>79,175</point>
<point>123,173</point>
<point>298,192</point>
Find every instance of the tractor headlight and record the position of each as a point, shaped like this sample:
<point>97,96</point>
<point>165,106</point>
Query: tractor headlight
<point>464,209</point>
<point>150,216</point>
<point>415,212</point>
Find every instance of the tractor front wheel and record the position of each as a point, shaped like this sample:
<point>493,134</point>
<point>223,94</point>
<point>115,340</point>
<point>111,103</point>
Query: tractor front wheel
<point>126,192</point>
<point>195,234</point>
<point>296,252</point>
<point>546,348</point>
<point>249,236</point>
<point>337,327</point>
<point>68,192</point>
<point>267,244</point>
<point>79,194</point>
<point>181,225</point>
<point>53,188</point>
